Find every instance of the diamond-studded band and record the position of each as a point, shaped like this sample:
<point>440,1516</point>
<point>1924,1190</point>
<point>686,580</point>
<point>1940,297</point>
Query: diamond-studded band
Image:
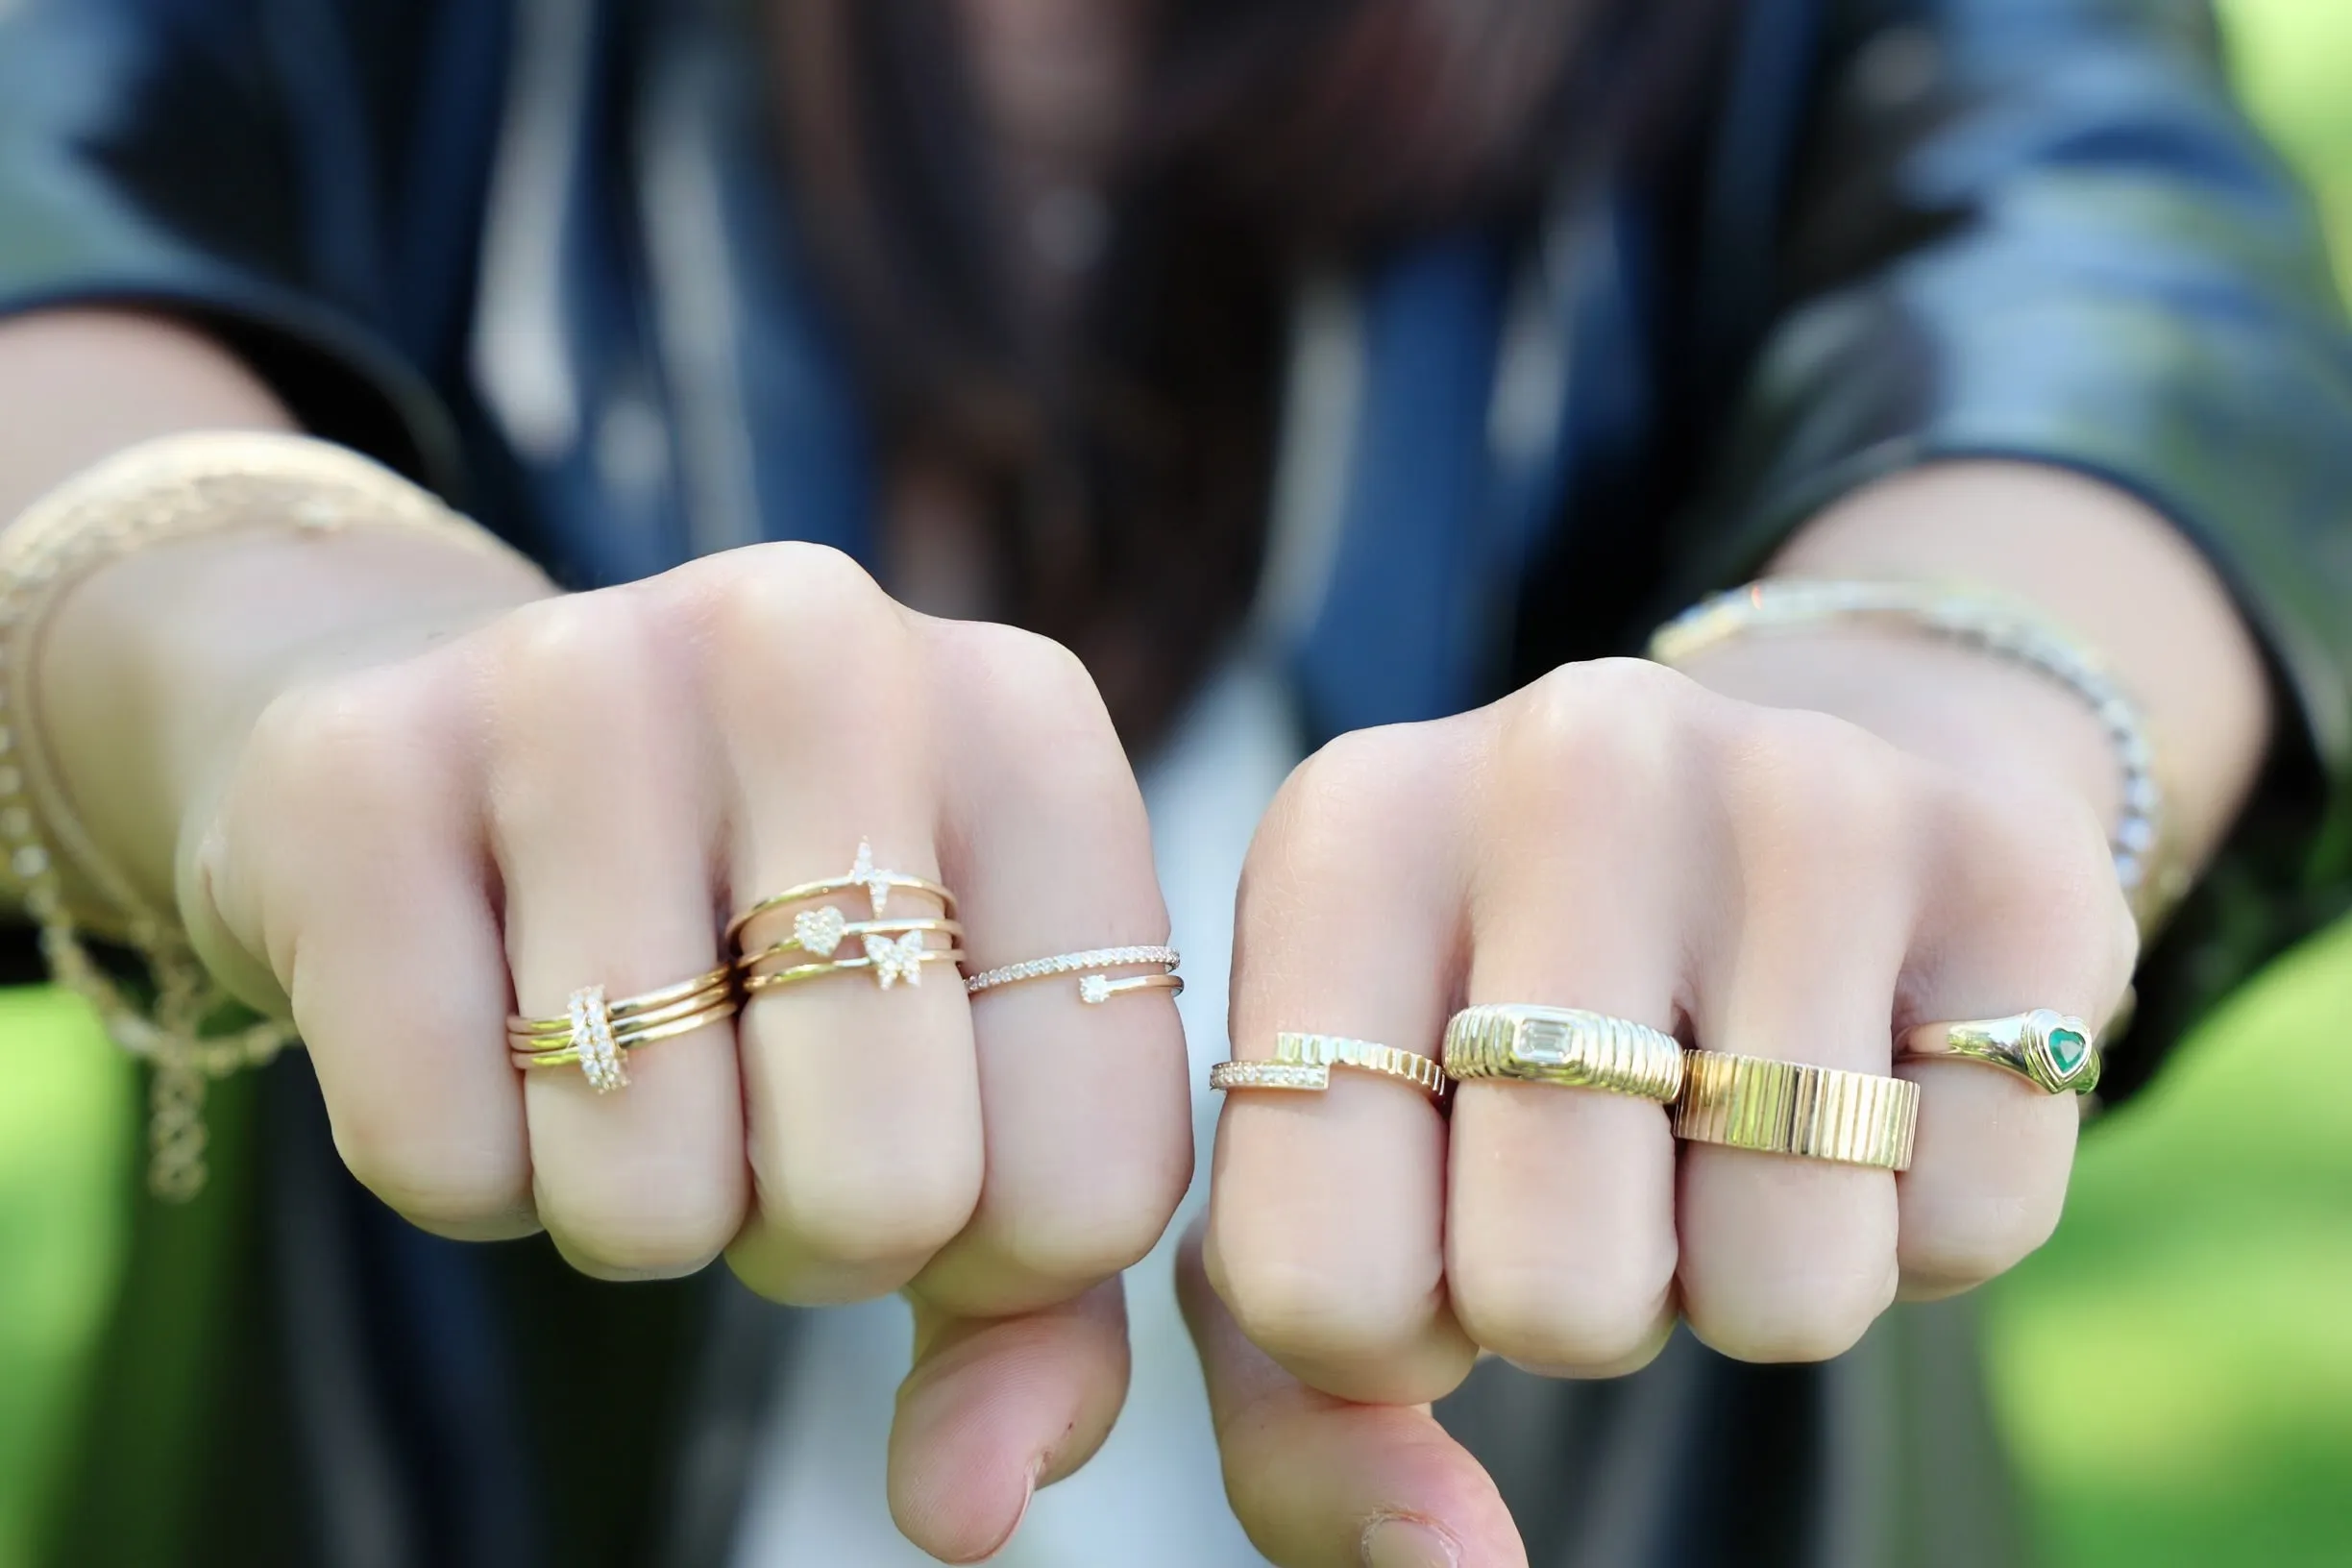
<point>1305,1062</point>
<point>2051,1050</point>
<point>1564,1047</point>
<point>1749,1102</point>
<point>1093,987</point>
<point>597,1036</point>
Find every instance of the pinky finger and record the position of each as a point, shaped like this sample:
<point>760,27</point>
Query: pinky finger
<point>1320,1482</point>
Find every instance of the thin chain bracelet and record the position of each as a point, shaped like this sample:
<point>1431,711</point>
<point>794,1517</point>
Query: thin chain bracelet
<point>1993,624</point>
<point>180,487</point>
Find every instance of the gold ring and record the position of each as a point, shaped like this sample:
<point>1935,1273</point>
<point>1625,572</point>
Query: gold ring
<point>878,884</point>
<point>1093,989</point>
<point>2051,1050</point>
<point>1305,1062</point>
<point>891,959</point>
<point>1748,1102</point>
<point>1563,1045</point>
<point>819,932</point>
<point>598,1035</point>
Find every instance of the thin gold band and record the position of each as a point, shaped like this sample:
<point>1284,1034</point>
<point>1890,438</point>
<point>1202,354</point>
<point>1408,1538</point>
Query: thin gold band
<point>541,1038</point>
<point>1564,1047</point>
<point>1749,1102</point>
<point>632,1007</point>
<point>627,1040</point>
<point>879,885</point>
<point>801,973</point>
<point>823,946</point>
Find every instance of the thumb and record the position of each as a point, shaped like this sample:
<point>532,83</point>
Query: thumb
<point>1320,1482</point>
<point>996,1408</point>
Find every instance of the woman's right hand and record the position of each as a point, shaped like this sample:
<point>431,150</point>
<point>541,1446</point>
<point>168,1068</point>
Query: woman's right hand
<point>580,792</point>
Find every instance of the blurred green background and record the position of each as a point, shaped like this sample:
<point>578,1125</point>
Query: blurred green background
<point>2174,1368</point>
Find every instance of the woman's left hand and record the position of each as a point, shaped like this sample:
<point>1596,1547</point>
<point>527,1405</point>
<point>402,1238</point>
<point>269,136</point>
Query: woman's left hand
<point>1620,838</point>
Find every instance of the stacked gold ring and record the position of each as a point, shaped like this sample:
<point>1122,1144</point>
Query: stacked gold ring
<point>1749,1102</point>
<point>1565,1046</point>
<point>598,1035</point>
<point>894,949</point>
<point>1303,1061</point>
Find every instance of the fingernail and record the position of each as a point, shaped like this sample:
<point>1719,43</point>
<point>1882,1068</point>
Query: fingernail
<point>1405,1543</point>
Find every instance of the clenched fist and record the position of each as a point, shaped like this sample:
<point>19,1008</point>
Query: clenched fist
<point>581,792</point>
<point>1620,839</point>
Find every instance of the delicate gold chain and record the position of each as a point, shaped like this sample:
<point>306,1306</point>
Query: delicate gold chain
<point>177,488</point>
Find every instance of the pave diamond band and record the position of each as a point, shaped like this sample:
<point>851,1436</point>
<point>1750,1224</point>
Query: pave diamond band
<point>1564,1047</point>
<point>1093,987</point>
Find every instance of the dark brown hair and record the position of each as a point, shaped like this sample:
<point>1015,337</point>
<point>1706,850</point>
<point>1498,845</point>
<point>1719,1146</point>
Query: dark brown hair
<point>1123,455</point>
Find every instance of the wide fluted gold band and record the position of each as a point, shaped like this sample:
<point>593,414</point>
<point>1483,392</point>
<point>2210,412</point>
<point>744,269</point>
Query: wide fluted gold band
<point>1305,1062</point>
<point>1564,1047</point>
<point>1748,1102</point>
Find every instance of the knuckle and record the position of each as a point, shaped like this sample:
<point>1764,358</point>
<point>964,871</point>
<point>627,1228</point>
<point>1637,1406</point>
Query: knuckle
<point>1590,745</point>
<point>1095,1227</point>
<point>1039,700</point>
<point>1356,789</point>
<point>1813,1320</point>
<point>1290,1305</point>
<point>353,746</point>
<point>1974,1239</point>
<point>796,602</point>
<point>1810,789</point>
<point>1600,1318</point>
<point>440,1189</point>
<point>856,1215</point>
<point>1605,713</point>
<point>664,1234</point>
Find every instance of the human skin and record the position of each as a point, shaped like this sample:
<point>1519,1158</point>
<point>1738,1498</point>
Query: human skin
<point>387,781</point>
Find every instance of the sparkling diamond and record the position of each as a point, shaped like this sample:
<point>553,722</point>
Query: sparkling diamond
<point>820,930</point>
<point>897,960</point>
<point>1094,987</point>
<point>1542,1042</point>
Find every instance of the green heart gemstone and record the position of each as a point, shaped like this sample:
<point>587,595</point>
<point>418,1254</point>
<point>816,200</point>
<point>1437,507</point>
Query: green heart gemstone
<point>2069,1049</point>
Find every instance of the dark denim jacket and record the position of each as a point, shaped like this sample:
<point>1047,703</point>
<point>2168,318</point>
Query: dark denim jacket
<point>531,249</point>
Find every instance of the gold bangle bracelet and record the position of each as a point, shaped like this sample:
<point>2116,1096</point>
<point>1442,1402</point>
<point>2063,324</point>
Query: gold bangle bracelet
<point>157,493</point>
<point>1750,1102</point>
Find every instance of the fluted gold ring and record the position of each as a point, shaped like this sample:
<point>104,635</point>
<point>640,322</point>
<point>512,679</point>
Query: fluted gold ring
<point>1563,1045</point>
<point>1303,1061</point>
<point>1749,1102</point>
